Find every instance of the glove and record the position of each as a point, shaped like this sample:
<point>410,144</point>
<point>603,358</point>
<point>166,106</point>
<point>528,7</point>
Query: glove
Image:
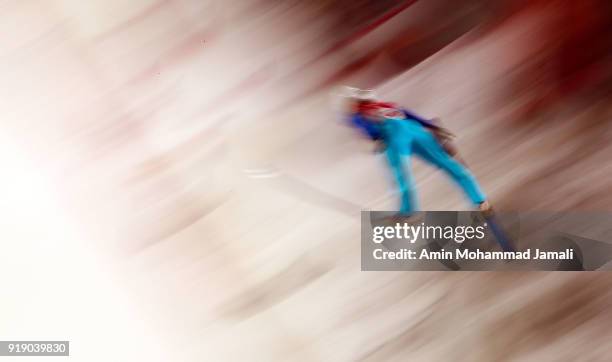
<point>444,133</point>
<point>380,146</point>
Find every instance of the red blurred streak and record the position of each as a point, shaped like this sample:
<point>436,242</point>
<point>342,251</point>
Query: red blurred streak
<point>148,11</point>
<point>360,33</point>
<point>189,47</point>
<point>254,80</point>
<point>353,66</point>
<point>248,84</point>
<point>192,44</point>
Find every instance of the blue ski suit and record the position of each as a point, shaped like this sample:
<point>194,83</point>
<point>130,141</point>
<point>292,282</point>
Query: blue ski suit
<point>403,137</point>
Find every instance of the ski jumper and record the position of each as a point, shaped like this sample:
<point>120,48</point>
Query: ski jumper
<point>404,137</point>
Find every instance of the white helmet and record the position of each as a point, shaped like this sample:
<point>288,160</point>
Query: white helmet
<point>359,94</point>
<point>343,95</point>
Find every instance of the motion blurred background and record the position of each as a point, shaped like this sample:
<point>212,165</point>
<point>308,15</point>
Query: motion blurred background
<point>178,183</point>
